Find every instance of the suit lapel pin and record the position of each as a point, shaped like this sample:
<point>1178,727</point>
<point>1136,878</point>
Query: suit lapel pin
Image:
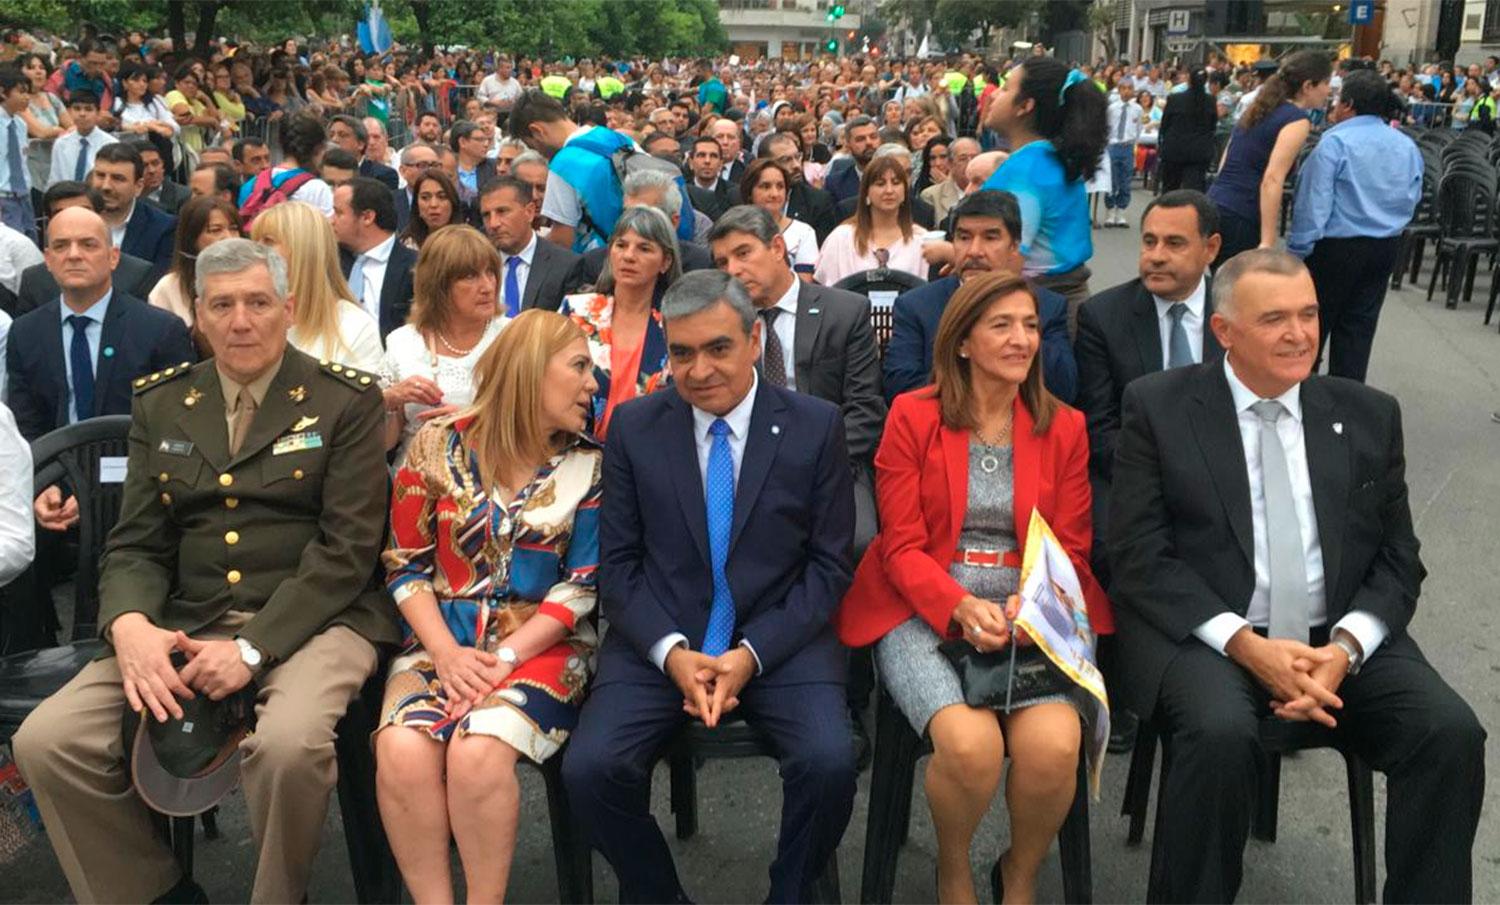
<point>1338,427</point>
<point>109,351</point>
<point>297,394</point>
<point>813,310</point>
<point>775,429</point>
<point>192,397</point>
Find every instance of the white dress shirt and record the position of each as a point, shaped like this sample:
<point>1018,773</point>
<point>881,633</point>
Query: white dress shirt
<point>1192,323</point>
<point>786,331</point>
<point>93,332</point>
<point>1131,111</point>
<point>16,254</point>
<point>17,530</point>
<point>1368,630</point>
<point>65,151</point>
<point>523,270</point>
<point>5,323</point>
<point>372,264</point>
<point>13,125</point>
<point>738,420</point>
<point>117,233</point>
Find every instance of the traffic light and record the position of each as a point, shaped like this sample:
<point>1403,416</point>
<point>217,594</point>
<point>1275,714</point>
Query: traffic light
<point>831,45</point>
<point>838,11</point>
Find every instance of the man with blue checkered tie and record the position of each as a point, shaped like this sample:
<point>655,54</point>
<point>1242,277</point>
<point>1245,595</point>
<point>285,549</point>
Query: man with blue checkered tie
<point>725,532</point>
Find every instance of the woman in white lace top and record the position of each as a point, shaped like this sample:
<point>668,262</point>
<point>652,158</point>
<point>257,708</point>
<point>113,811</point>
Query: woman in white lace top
<point>428,368</point>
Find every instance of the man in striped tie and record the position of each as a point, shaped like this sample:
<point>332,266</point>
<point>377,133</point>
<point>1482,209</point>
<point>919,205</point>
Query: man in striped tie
<point>725,532</point>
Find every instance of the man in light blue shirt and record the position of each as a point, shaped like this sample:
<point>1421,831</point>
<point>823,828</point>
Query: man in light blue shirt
<point>15,182</point>
<point>1356,192</point>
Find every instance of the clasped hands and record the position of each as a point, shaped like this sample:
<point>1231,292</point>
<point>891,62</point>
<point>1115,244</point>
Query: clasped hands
<point>986,625</point>
<point>144,654</point>
<point>710,685</point>
<point>468,675</point>
<point>1303,680</point>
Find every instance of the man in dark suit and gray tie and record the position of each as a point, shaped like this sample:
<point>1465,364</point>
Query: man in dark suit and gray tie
<point>1264,563</point>
<point>724,549</point>
<point>533,273</point>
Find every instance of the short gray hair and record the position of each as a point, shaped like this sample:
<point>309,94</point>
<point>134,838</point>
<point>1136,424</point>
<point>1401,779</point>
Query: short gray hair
<point>527,156</point>
<point>702,289</point>
<point>406,152</point>
<point>891,149</point>
<point>653,226</point>
<point>514,142</point>
<point>1256,260</point>
<point>236,256</point>
<point>745,218</point>
<point>656,181</point>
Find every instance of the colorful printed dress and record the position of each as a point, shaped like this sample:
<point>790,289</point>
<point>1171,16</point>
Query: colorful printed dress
<point>593,312</point>
<point>493,567</point>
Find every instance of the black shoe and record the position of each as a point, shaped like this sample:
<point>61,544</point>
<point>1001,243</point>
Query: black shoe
<point>862,749</point>
<point>1122,731</point>
<point>183,892</point>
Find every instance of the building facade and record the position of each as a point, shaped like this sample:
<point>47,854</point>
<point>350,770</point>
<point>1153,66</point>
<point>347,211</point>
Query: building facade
<point>786,29</point>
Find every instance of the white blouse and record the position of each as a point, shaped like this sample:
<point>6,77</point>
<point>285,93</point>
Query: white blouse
<point>156,111</point>
<point>801,246</point>
<point>407,354</point>
<point>358,344</point>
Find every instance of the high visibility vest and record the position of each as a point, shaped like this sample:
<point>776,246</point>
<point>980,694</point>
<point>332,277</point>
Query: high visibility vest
<point>609,86</point>
<point>557,86</point>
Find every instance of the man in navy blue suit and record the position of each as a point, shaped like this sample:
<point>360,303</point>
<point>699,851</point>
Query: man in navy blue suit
<point>138,229</point>
<point>724,549</point>
<point>986,236</point>
<point>74,358</point>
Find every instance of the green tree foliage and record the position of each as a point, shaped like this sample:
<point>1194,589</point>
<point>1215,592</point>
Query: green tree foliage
<point>551,28</point>
<point>953,22</point>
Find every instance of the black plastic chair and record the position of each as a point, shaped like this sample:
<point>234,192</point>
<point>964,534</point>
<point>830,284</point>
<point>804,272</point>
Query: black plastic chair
<point>1466,217</point>
<point>735,739</point>
<point>1277,737</point>
<point>880,280</point>
<point>897,750</point>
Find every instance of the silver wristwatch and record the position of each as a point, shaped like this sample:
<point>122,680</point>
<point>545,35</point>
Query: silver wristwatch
<point>1349,648</point>
<point>249,655</point>
<point>508,656</point>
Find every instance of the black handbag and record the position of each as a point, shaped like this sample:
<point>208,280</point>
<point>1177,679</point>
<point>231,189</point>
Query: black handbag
<point>1004,679</point>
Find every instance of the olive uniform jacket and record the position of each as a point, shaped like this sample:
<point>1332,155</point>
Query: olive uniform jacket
<point>289,529</point>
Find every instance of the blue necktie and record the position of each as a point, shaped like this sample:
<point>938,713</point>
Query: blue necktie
<point>719,496</point>
<point>512,286</point>
<point>357,281</point>
<point>18,182</point>
<point>81,168</point>
<point>83,367</point>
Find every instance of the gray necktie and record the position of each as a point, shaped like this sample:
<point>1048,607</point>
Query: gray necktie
<point>1288,565</point>
<point>1120,129</point>
<point>1179,353</point>
<point>774,368</point>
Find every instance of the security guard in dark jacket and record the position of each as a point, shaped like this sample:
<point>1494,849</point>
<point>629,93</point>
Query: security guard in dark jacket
<point>254,508</point>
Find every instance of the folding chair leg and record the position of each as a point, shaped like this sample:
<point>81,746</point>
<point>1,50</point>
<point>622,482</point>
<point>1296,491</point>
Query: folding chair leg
<point>1403,252</point>
<point>570,851</point>
<point>1138,782</point>
<point>1437,271</point>
<point>182,843</point>
<point>1489,309</point>
<point>891,769</point>
<point>1267,799</point>
<point>1074,849</point>
<point>1458,264</point>
<point>1417,255</point>
<point>1362,823</point>
<point>685,795</point>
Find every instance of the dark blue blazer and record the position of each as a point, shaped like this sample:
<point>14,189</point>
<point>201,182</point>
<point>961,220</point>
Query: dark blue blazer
<point>789,560</point>
<point>151,234</point>
<point>137,339</point>
<point>908,358</point>
<point>842,182</point>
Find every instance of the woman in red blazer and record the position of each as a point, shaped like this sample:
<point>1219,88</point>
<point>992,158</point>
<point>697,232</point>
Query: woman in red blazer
<point>961,466</point>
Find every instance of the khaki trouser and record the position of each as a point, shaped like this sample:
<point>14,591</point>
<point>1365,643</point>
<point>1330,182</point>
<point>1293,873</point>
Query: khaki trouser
<point>71,753</point>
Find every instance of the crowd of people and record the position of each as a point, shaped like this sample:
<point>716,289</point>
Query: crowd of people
<point>552,390</point>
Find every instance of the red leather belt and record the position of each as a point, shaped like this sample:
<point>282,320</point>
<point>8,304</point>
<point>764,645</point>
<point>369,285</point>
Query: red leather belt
<point>990,559</point>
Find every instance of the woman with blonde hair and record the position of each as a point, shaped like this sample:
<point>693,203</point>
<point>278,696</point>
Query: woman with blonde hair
<point>325,323</point>
<point>962,465</point>
<point>492,557</point>
<point>428,368</point>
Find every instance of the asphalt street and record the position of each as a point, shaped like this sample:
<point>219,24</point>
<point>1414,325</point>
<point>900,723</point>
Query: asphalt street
<point>1444,367</point>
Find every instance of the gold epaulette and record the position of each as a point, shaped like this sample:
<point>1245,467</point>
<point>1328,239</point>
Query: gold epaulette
<point>352,376</point>
<point>160,378</point>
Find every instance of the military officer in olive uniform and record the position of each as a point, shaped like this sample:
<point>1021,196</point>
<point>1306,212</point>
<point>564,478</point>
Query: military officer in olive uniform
<point>254,508</point>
